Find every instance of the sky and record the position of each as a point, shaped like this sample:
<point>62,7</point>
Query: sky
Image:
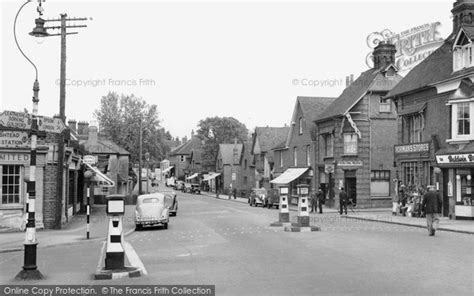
<point>249,60</point>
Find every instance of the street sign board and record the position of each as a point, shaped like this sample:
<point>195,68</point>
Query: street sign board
<point>51,125</point>
<point>14,139</point>
<point>23,120</point>
<point>20,120</point>
<point>89,159</point>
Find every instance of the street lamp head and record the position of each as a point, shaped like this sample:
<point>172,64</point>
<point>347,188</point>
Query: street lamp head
<point>39,30</point>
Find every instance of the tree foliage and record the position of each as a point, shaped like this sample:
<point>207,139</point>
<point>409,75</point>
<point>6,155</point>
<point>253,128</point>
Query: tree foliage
<point>219,130</point>
<point>119,120</point>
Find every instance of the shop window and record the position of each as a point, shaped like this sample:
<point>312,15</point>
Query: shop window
<point>350,144</point>
<point>11,184</point>
<point>328,145</point>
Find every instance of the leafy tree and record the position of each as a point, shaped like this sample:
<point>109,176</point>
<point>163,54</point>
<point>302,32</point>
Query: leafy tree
<point>119,120</point>
<point>215,131</point>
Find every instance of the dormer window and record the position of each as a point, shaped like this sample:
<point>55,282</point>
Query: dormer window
<point>462,52</point>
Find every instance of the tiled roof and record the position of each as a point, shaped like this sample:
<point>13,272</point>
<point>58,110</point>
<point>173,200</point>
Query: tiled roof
<point>280,146</point>
<point>227,153</point>
<point>435,68</point>
<point>197,155</point>
<point>186,148</point>
<point>312,107</point>
<point>103,146</point>
<point>370,80</point>
<point>268,137</point>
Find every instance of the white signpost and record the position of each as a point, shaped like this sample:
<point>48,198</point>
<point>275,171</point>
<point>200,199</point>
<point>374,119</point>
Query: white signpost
<point>89,159</point>
<point>51,125</point>
<point>14,139</point>
<point>23,120</point>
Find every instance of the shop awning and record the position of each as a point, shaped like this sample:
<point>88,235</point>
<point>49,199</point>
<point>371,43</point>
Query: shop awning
<point>211,176</point>
<point>289,175</point>
<point>192,176</point>
<point>100,178</point>
<point>167,170</point>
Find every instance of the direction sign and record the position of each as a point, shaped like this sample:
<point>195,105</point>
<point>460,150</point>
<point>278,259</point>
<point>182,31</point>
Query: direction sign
<point>51,125</point>
<point>23,120</point>
<point>20,120</point>
<point>14,139</point>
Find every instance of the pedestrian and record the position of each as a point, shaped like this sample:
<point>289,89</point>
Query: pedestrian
<point>321,199</point>
<point>395,203</point>
<point>343,199</point>
<point>432,206</point>
<point>230,190</point>
<point>312,200</point>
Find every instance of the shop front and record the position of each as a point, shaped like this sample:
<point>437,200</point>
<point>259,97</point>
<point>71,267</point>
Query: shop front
<point>414,165</point>
<point>458,171</point>
<point>292,177</point>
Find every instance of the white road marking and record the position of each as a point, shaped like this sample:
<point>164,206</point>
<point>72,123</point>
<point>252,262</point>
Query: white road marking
<point>133,257</point>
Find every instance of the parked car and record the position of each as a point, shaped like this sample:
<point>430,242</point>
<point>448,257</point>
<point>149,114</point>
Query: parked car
<point>151,210</point>
<point>179,185</point>
<point>187,188</point>
<point>172,200</point>
<point>195,188</point>
<point>170,182</point>
<point>272,199</point>
<point>257,196</point>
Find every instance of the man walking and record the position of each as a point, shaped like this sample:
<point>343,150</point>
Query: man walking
<point>320,198</point>
<point>432,207</point>
<point>343,199</point>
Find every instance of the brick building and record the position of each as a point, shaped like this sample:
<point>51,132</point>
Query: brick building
<point>263,140</point>
<point>180,158</point>
<point>356,135</point>
<point>294,158</point>
<point>435,103</point>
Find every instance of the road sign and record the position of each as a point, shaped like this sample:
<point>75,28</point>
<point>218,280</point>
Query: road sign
<point>51,125</point>
<point>89,159</point>
<point>20,120</point>
<point>14,139</point>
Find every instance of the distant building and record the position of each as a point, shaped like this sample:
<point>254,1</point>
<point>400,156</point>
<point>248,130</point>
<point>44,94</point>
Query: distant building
<point>180,158</point>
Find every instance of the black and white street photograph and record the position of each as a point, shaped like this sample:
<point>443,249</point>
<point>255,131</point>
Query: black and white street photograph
<point>236,147</point>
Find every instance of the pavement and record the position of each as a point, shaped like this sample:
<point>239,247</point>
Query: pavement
<point>382,215</point>
<point>72,233</point>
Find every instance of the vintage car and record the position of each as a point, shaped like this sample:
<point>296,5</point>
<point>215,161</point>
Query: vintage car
<point>257,196</point>
<point>187,188</point>
<point>170,182</point>
<point>195,188</point>
<point>179,185</point>
<point>272,199</point>
<point>151,210</point>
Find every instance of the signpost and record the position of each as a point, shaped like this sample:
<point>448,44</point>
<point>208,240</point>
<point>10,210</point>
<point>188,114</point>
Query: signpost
<point>22,121</point>
<point>14,139</point>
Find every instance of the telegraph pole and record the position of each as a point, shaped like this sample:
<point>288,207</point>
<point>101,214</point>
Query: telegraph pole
<point>63,20</point>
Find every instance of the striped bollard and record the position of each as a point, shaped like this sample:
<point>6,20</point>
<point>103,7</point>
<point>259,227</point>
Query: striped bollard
<point>88,212</point>
<point>284,214</point>
<point>302,222</point>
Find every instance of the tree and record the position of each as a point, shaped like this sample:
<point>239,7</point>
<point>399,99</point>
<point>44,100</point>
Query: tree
<point>215,131</point>
<point>119,120</point>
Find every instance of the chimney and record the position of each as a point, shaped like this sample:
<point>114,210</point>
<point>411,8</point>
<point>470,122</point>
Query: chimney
<point>72,124</point>
<point>351,80</point>
<point>192,134</point>
<point>83,128</point>
<point>462,11</point>
<point>384,55</point>
<point>347,81</point>
<point>93,134</point>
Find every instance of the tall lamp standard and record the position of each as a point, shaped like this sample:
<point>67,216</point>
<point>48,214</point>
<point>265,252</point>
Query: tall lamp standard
<point>41,31</point>
<point>147,159</point>
<point>30,269</point>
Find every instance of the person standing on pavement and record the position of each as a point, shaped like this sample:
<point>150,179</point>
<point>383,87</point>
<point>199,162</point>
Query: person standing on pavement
<point>432,207</point>
<point>320,198</point>
<point>230,190</point>
<point>343,199</point>
<point>395,203</point>
<point>312,201</point>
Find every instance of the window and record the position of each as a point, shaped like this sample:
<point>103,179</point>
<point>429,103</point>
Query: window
<point>350,144</point>
<point>461,124</point>
<point>281,158</point>
<point>301,125</point>
<point>415,128</point>
<point>380,175</point>
<point>328,145</point>
<point>462,54</point>
<point>11,185</point>
<point>463,119</point>
<point>183,158</point>
<point>380,183</point>
<point>295,157</point>
<point>245,164</point>
<point>245,180</point>
<point>308,155</point>
<point>384,106</point>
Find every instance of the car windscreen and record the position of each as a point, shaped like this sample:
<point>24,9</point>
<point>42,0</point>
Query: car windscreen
<point>153,200</point>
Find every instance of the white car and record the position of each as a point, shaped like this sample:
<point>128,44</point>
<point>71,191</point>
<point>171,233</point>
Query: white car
<point>152,209</point>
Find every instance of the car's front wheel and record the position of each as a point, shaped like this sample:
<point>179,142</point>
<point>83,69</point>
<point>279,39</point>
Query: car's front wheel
<point>165,226</point>
<point>138,227</point>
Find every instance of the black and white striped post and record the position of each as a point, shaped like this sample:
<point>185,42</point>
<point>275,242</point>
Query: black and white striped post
<point>88,174</point>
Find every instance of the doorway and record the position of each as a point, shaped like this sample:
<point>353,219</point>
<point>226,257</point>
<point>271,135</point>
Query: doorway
<point>350,181</point>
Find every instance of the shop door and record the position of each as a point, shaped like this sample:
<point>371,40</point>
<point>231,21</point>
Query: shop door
<point>351,189</point>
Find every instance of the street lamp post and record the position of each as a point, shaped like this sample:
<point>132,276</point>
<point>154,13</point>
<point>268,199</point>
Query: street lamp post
<point>147,159</point>
<point>30,269</point>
